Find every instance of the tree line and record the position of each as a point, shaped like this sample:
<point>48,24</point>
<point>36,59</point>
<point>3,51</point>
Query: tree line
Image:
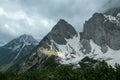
<point>101,71</point>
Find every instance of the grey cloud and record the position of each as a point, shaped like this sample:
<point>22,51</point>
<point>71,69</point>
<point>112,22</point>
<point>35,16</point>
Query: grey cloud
<point>39,16</point>
<point>112,3</point>
<point>74,11</point>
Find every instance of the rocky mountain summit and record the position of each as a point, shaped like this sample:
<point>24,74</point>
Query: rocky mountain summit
<point>58,34</point>
<point>15,50</point>
<point>104,30</point>
<point>63,45</point>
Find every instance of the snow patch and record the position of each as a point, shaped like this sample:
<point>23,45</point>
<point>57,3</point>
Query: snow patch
<point>15,47</point>
<point>111,56</point>
<point>71,53</point>
<point>111,19</point>
<point>20,51</point>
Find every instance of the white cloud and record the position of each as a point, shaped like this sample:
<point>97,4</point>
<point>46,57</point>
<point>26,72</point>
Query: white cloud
<point>2,12</point>
<point>19,22</point>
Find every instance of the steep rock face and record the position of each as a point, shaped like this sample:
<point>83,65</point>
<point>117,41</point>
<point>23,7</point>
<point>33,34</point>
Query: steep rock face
<point>100,40</point>
<point>50,45</point>
<point>86,47</point>
<point>103,30</point>
<point>113,11</point>
<point>58,34</point>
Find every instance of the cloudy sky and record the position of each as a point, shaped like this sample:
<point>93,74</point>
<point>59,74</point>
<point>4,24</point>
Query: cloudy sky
<point>37,17</point>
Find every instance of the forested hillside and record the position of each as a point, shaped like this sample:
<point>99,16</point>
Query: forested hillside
<point>102,71</point>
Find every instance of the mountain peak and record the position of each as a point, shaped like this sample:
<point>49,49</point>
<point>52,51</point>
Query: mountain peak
<point>63,26</point>
<point>63,30</point>
<point>23,39</point>
<point>26,38</point>
<point>113,11</point>
<point>25,35</point>
<point>16,50</point>
<point>62,21</point>
<point>104,29</point>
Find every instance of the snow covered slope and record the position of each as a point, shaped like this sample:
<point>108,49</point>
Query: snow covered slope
<point>100,40</point>
<point>71,53</point>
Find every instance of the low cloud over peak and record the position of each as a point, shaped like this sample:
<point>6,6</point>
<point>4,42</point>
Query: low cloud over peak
<point>37,17</point>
